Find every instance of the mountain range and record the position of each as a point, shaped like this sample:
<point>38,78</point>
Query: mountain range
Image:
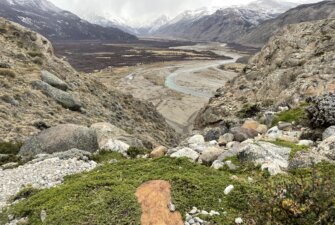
<point>56,24</point>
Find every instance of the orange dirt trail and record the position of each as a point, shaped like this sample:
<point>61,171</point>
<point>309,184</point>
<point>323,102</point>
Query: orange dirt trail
<point>154,197</point>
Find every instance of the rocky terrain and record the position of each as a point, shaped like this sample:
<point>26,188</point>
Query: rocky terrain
<point>263,152</point>
<point>56,24</point>
<point>38,90</point>
<point>296,64</point>
<point>259,35</point>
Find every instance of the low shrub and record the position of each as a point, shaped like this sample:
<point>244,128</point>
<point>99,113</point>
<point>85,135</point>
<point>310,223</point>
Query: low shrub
<point>10,148</point>
<point>35,54</point>
<point>133,152</point>
<point>297,115</point>
<point>249,111</point>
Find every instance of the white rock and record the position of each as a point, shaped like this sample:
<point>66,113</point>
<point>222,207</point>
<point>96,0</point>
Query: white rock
<point>238,220</point>
<point>116,146</point>
<point>194,210</point>
<point>330,131</point>
<point>187,153</point>
<point>307,143</point>
<point>274,133</point>
<point>213,143</point>
<point>214,213</point>
<point>217,165</point>
<point>196,139</point>
<point>229,189</point>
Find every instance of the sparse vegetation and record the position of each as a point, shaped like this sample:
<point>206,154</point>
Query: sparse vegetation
<point>7,72</point>
<point>297,115</point>
<point>10,150</point>
<point>35,54</point>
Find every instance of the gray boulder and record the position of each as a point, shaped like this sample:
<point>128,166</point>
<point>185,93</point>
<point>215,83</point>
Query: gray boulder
<point>53,80</point>
<point>63,98</point>
<point>59,139</point>
<point>330,131</point>
<point>241,134</point>
<point>304,160</point>
<point>69,154</point>
<point>186,153</point>
<point>271,157</point>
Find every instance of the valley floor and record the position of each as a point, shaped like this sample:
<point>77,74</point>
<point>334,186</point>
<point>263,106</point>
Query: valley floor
<point>178,89</point>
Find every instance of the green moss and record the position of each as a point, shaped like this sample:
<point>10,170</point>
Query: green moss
<point>294,147</point>
<point>297,115</point>
<point>25,192</point>
<point>107,194</point>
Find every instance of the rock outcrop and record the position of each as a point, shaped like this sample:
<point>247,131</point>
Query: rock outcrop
<point>294,65</point>
<point>25,110</point>
<point>322,111</point>
<point>60,139</point>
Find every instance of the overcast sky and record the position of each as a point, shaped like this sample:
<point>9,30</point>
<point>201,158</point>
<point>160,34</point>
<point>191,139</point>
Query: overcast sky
<point>142,11</point>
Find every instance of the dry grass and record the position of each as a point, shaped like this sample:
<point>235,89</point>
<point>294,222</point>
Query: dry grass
<point>7,72</point>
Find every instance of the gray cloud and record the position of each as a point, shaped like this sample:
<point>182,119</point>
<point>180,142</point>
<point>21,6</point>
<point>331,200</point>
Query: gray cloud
<point>142,11</point>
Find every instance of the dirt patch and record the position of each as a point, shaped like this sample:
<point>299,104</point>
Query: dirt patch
<point>154,197</point>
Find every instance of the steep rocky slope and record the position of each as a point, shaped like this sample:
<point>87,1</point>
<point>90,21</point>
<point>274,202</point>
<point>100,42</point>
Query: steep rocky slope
<point>259,35</point>
<point>294,65</point>
<point>54,23</point>
<point>28,104</point>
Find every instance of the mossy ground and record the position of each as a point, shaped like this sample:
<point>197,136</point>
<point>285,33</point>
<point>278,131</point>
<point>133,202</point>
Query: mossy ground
<point>106,195</point>
<point>297,115</point>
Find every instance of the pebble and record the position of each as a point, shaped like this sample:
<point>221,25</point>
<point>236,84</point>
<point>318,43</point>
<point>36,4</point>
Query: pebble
<point>229,189</point>
<point>172,207</point>
<point>238,220</point>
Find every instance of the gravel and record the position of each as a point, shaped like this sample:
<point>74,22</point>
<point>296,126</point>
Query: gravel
<point>42,174</point>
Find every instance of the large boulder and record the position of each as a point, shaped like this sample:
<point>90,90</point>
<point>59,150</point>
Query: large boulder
<point>241,134</point>
<point>330,131</point>
<point>196,140</point>
<point>53,80</point>
<point>186,153</point>
<point>61,97</point>
<point>327,148</point>
<point>107,134</point>
<point>252,124</point>
<point>59,139</point>
<point>322,112</point>
<point>271,157</point>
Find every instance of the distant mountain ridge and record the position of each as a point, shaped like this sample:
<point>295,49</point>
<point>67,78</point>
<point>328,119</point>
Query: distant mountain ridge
<point>56,24</point>
<point>259,35</point>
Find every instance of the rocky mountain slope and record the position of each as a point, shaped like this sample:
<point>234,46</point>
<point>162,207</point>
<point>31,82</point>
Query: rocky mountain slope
<point>38,90</point>
<point>294,65</point>
<point>259,35</point>
<point>54,23</point>
<point>224,25</point>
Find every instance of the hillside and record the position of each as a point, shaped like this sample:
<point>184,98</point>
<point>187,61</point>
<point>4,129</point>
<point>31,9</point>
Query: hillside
<point>29,105</point>
<point>259,35</point>
<point>295,64</point>
<point>56,24</point>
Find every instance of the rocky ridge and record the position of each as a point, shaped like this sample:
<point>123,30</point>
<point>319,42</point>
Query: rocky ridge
<point>296,64</point>
<point>33,99</point>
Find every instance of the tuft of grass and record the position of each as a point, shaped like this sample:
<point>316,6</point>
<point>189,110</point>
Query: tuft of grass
<point>294,147</point>
<point>10,148</point>
<point>105,156</point>
<point>297,115</point>
<point>24,193</point>
<point>248,111</point>
<point>7,72</point>
<point>133,152</point>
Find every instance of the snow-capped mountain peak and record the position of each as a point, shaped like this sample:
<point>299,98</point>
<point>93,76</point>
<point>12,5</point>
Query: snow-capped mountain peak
<point>271,6</point>
<point>37,4</point>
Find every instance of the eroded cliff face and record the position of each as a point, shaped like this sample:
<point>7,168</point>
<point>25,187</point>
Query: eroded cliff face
<point>28,104</point>
<point>297,63</point>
